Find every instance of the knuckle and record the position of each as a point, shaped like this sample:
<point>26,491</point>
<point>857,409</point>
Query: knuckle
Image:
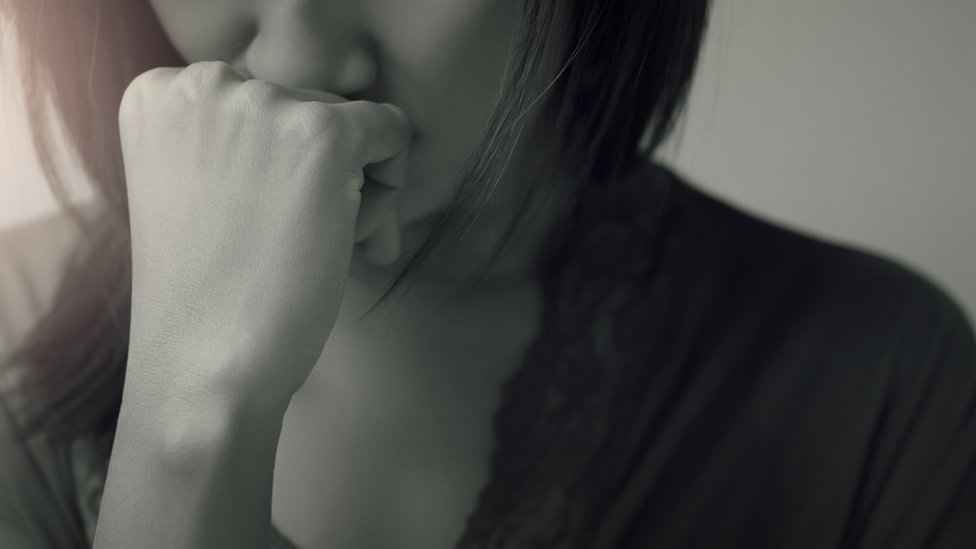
<point>143,82</point>
<point>148,79</point>
<point>253,93</point>
<point>319,122</point>
<point>202,78</point>
<point>135,94</point>
<point>221,72</point>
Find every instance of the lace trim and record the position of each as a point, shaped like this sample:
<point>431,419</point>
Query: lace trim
<point>555,466</point>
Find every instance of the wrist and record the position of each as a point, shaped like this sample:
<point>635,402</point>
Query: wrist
<point>178,407</point>
<point>193,436</point>
<point>192,475</point>
<point>169,373</point>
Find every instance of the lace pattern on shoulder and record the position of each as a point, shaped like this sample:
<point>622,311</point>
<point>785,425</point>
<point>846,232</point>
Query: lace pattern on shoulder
<point>563,419</point>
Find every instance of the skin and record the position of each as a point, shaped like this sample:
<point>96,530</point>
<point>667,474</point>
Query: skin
<point>438,60</point>
<point>412,398</point>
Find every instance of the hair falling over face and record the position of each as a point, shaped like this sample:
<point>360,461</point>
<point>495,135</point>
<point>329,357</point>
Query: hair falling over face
<point>625,67</point>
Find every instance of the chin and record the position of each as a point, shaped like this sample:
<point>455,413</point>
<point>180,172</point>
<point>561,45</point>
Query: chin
<point>366,268</point>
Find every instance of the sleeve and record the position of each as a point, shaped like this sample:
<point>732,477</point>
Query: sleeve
<point>921,489</point>
<point>11,538</point>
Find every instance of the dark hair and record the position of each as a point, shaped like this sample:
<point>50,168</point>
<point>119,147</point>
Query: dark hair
<point>626,70</point>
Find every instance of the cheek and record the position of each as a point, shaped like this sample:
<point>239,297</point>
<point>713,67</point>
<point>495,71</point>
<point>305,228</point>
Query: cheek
<point>450,54</point>
<point>446,57</point>
<point>431,31</point>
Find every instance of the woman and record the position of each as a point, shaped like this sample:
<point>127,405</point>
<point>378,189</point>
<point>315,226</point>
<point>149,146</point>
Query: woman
<point>586,352</point>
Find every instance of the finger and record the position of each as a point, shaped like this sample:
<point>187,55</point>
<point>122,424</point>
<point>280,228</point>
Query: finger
<point>378,131</point>
<point>391,172</point>
<point>380,193</point>
<point>383,128</point>
<point>305,94</point>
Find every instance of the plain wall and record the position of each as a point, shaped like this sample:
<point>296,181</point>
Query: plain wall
<point>850,119</point>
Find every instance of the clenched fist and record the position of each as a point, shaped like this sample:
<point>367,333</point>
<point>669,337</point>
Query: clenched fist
<point>245,201</point>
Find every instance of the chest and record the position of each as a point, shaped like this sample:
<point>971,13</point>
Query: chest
<point>388,442</point>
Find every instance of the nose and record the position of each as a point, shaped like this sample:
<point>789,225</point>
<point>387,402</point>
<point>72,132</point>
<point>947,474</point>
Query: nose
<point>315,44</point>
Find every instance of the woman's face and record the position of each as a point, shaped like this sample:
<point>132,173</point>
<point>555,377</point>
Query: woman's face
<point>439,60</point>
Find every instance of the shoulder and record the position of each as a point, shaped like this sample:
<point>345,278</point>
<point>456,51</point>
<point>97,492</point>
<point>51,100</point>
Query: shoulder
<point>838,376</point>
<point>737,259</point>
<point>674,258</point>
<point>861,342</point>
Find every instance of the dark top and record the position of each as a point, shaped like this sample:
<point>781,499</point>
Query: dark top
<point>703,378</point>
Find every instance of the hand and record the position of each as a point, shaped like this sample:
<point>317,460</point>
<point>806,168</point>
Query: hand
<point>245,200</point>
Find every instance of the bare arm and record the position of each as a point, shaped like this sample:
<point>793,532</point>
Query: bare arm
<point>195,473</point>
<point>241,245</point>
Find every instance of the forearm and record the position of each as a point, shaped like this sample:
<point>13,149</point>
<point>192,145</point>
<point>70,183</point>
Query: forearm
<point>192,474</point>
